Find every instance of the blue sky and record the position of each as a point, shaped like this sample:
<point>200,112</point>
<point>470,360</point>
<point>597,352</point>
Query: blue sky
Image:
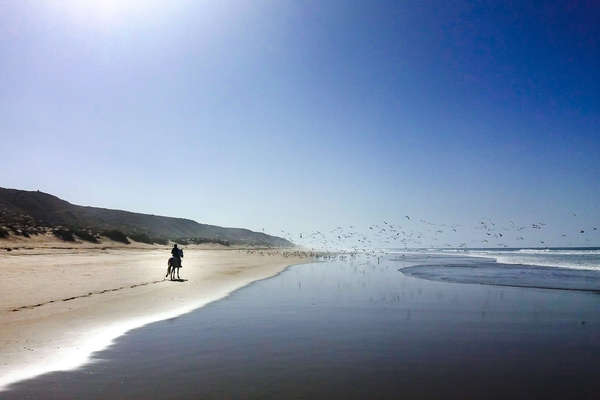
<point>308,115</point>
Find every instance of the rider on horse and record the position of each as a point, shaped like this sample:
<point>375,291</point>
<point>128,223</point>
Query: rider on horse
<point>174,262</point>
<point>177,253</point>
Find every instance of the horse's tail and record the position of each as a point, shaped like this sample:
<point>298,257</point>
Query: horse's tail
<point>169,266</point>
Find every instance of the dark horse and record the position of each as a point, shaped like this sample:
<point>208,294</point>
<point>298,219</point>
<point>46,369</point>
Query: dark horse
<point>173,264</point>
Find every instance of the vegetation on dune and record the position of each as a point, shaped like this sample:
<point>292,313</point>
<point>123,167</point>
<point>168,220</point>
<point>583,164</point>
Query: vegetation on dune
<point>206,240</point>
<point>88,236</point>
<point>21,230</point>
<point>146,238</point>
<point>64,234</point>
<point>141,238</point>
<point>200,240</point>
<point>161,241</point>
<point>116,235</point>
<point>70,234</point>
<point>32,212</point>
<point>15,230</point>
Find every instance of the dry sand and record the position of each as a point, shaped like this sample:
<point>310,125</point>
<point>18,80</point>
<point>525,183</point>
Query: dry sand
<point>58,305</point>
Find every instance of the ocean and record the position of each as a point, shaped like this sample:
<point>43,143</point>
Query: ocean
<point>562,257</point>
<point>360,328</point>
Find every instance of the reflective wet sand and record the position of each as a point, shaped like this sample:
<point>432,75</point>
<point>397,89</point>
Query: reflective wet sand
<point>353,330</point>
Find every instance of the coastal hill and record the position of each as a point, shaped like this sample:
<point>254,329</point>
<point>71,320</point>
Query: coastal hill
<point>29,213</point>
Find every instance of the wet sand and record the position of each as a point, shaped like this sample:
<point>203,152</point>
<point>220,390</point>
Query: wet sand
<point>58,305</point>
<point>498,274</point>
<point>352,330</point>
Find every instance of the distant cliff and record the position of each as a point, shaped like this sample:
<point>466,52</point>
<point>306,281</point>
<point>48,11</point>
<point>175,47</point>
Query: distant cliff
<point>27,213</point>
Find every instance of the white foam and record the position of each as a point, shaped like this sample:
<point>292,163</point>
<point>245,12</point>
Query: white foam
<point>560,252</point>
<point>546,262</point>
<point>564,258</point>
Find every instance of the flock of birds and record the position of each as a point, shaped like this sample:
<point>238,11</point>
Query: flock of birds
<point>420,233</point>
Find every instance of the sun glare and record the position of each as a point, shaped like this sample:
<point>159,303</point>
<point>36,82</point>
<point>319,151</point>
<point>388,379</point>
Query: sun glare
<point>108,12</point>
<point>108,8</point>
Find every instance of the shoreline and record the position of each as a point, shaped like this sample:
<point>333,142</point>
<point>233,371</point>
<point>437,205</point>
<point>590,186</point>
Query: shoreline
<point>58,308</point>
<point>350,318</point>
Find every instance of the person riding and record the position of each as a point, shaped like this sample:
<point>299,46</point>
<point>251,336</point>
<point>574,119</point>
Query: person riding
<point>175,261</point>
<point>177,253</point>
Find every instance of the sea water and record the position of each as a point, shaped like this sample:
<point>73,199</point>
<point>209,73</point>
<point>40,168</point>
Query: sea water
<point>353,329</point>
<point>574,258</point>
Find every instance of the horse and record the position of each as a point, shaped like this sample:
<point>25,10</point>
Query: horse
<point>172,265</point>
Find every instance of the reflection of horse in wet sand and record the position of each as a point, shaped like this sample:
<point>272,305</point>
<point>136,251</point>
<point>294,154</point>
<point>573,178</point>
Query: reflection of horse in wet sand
<point>173,264</point>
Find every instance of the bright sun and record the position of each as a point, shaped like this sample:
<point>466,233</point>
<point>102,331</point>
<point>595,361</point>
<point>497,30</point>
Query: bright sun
<point>106,11</point>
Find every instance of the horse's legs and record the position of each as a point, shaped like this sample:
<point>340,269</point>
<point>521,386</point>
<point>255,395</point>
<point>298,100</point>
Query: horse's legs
<point>178,273</point>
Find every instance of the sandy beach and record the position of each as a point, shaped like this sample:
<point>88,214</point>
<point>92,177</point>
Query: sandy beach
<point>61,303</point>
